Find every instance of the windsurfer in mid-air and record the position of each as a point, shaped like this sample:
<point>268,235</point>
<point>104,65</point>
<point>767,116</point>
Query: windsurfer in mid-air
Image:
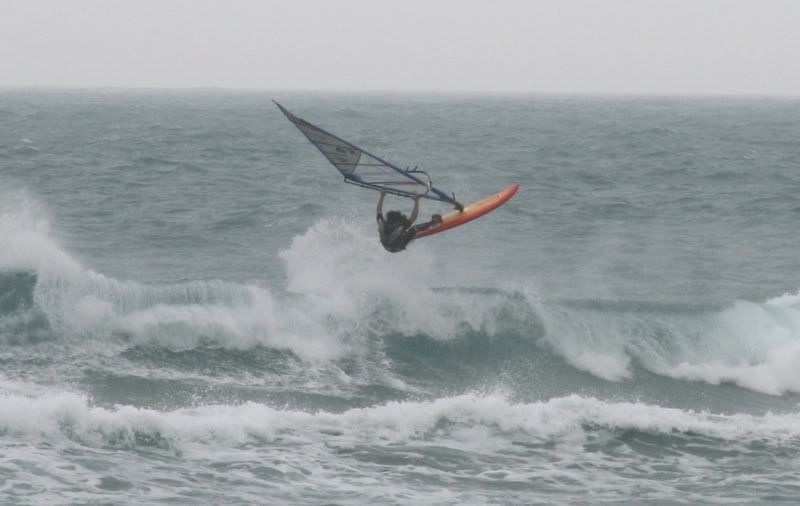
<point>397,231</point>
<point>366,170</point>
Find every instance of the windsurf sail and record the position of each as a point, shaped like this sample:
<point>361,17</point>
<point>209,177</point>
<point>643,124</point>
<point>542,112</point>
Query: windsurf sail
<point>364,169</point>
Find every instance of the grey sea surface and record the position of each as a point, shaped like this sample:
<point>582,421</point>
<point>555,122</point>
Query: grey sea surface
<point>195,309</point>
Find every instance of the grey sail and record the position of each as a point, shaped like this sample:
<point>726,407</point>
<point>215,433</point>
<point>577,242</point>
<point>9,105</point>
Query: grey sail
<point>365,169</point>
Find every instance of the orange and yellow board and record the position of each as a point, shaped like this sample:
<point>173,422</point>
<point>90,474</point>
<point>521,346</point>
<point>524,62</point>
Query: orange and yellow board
<point>471,211</point>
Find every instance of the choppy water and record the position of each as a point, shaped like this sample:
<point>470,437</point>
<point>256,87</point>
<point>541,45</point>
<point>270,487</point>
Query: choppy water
<point>195,309</point>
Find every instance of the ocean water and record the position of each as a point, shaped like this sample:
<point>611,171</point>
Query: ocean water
<point>194,309</point>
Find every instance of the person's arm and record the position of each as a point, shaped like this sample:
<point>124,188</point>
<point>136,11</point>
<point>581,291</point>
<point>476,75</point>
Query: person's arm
<point>380,206</point>
<point>415,212</point>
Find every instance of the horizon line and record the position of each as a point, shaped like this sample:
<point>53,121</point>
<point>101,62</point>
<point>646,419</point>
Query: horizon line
<point>419,92</point>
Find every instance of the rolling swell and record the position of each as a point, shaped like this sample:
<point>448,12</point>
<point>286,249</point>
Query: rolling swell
<point>368,313</point>
<point>473,337</point>
<point>456,335</point>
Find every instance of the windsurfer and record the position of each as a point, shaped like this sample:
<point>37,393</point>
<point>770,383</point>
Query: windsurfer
<point>396,230</point>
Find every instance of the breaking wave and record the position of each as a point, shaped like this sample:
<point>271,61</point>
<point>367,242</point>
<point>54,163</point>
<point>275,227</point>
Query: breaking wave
<point>354,297</point>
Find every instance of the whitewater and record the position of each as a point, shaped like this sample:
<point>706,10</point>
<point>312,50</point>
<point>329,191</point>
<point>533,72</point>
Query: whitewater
<point>195,309</point>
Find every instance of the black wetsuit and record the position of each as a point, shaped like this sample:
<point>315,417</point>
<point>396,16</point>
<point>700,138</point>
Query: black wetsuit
<point>395,238</point>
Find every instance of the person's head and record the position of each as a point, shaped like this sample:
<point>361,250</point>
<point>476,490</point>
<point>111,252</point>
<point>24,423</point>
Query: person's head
<point>396,218</point>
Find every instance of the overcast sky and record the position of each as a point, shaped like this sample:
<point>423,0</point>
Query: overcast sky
<point>532,46</point>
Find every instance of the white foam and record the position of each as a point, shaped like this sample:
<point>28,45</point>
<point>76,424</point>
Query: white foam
<point>456,420</point>
<point>342,290</point>
<point>607,366</point>
<point>27,243</point>
<point>786,300</point>
<point>776,372</point>
<point>345,272</point>
<point>756,346</point>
